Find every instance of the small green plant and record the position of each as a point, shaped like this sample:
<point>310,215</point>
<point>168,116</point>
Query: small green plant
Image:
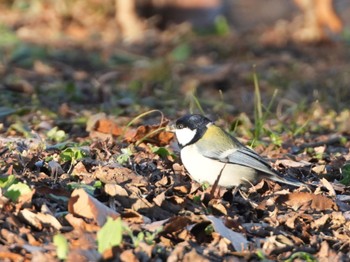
<point>261,255</point>
<point>346,35</point>
<point>275,138</point>
<point>72,91</point>
<point>110,235</point>
<point>205,185</point>
<point>62,146</point>
<point>345,171</point>
<point>301,256</point>
<point>73,155</point>
<point>22,129</point>
<point>8,37</point>
<point>88,188</point>
<point>161,151</point>
<point>343,140</point>
<point>209,229</point>
<point>98,184</point>
<point>7,180</point>
<point>261,113</point>
<point>258,116</point>
<point>56,134</point>
<point>300,129</point>
<point>16,190</point>
<point>62,247</point>
<point>222,27</point>
<point>147,237</point>
<point>124,157</point>
<point>192,99</point>
<point>12,188</point>
<point>197,200</point>
<point>181,53</point>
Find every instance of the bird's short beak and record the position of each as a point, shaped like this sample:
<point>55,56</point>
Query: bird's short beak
<point>170,127</point>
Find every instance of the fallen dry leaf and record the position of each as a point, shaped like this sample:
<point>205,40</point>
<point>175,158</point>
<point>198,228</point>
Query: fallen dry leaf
<point>182,189</point>
<point>151,134</point>
<point>31,218</point>
<point>291,163</point>
<point>107,126</point>
<point>194,256</point>
<point>290,222</point>
<point>218,206</point>
<point>274,242</point>
<point>329,187</point>
<point>132,216</point>
<point>320,222</point>
<point>326,252</point>
<point>338,220</point>
<point>238,240</point>
<point>307,200</point>
<point>80,224</point>
<point>176,200</point>
<point>158,200</point>
<point>154,226</point>
<point>128,256</point>
<point>115,190</point>
<point>11,237</point>
<point>118,175</point>
<point>178,252</point>
<point>6,254</point>
<point>319,169</point>
<point>25,199</point>
<point>48,219</point>
<point>175,224</point>
<point>40,220</point>
<point>84,205</point>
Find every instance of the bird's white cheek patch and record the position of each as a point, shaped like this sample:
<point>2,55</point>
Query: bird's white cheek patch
<point>184,135</point>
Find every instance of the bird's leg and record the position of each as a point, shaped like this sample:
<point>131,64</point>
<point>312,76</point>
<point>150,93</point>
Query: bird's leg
<point>236,189</point>
<point>216,183</point>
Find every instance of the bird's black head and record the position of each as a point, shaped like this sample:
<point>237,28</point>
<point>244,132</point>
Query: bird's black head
<point>190,128</point>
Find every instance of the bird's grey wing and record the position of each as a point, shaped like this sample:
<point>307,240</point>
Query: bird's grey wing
<point>241,156</point>
<point>246,157</point>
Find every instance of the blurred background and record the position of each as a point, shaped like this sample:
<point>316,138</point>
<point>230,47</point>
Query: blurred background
<point>74,57</point>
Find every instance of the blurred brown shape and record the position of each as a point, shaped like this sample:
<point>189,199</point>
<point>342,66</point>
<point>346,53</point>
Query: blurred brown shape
<point>196,12</point>
<point>149,133</point>
<point>108,126</point>
<point>318,15</point>
<point>127,19</point>
<point>152,134</point>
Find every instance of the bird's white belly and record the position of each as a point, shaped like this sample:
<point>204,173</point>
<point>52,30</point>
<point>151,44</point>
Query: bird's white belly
<point>203,169</point>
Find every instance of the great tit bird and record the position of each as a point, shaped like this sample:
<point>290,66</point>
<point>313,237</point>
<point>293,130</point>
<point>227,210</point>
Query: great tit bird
<point>207,151</point>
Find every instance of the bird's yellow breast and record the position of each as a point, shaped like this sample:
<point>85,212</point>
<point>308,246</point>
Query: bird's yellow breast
<point>217,138</point>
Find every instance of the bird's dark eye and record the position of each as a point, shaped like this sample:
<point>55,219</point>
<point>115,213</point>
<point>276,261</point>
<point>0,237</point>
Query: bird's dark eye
<point>180,126</point>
